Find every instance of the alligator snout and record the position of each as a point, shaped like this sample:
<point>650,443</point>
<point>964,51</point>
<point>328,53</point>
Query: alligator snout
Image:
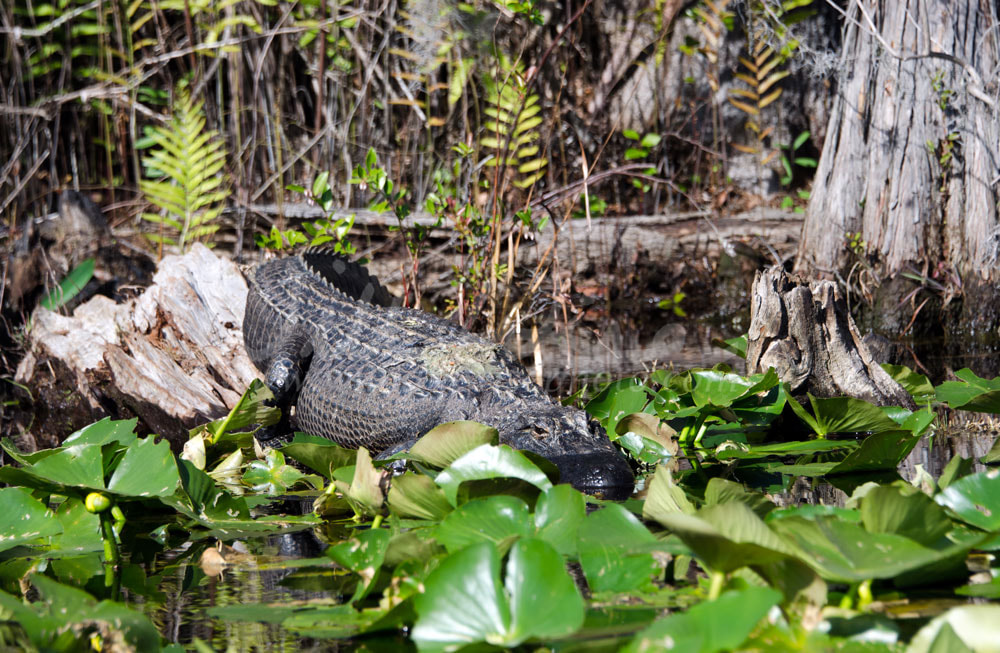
<point>605,475</point>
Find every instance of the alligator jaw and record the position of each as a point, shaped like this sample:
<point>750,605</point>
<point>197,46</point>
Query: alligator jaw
<point>603,474</point>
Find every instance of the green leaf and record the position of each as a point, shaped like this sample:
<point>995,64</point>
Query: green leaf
<point>633,153</point>
<point>975,499</point>
<point>617,400</point>
<point>847,415</point>
<point>148,469</point>
<point>558,515</point>
<point>630,134</point>
<point>416,495</point>
<point>488,461</point>
<point>249,410</point>
<point>70,286</point>
<point>614,550</point>
<point>727,536</point>
<point>24,518</point>
<point>845,552</point>
<point>271,475</point>
<point>800,140</point>
<point>544,601</point>
<point>665,497</point>
<point>465,603</point>
<point>912,514</point>
<point>319,454</point>
<point>490,519</point>
<point>448,442</point>
<point>919,387</point>
<point>976,627</point>
<point>650,141</point>
<point>363,554</point>
<point>709,627</point>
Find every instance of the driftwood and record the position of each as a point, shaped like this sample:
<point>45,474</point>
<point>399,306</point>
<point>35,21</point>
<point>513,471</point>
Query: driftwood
<point>594,246</point>
<point>173,356</point>
<point>807,335</point>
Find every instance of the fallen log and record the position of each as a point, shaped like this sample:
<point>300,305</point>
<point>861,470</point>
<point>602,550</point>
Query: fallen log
<point>807,335</point>
<point>173,356</point>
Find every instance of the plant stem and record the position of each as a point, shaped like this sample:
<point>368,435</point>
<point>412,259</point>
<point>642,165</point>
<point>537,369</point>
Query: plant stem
<point>718,581</point>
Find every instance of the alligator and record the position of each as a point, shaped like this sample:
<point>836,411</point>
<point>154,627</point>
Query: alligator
<point>363,371</point>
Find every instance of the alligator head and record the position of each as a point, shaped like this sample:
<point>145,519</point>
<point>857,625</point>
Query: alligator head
<point>579,447</point>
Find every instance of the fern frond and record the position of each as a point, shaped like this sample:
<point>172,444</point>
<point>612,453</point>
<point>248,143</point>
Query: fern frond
<point>190,163</point>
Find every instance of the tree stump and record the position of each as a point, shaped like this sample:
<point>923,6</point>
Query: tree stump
<point>807,335</point>
<point>173,356</point>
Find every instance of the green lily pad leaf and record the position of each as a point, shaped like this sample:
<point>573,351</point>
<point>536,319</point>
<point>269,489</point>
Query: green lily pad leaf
<point>845,552</point>
<point>66,614</point>
<point>976,627</point>
<point>845,415</point>
<point>665,497</point>
<point>488,461</point>
<point>794,448</point>
<point>992,456</point>
<point>647,437</point>
<point>737,345</point>
<point>446,443</point>
<point>617,400</point>
<point>971,393</point>
<point>81,529</point>
<point>719,389</point>
<point>319,454</point>
<point>363,554</point>
<point>107,430</point>
<point>709,627</point>
<point>465,603</point>
<point>490,519</point>
<point>888,509</point>
<point>148,469</point>
<point>79,466</point>
<point>614,551</point>
<point>249,410</point>
<point>728,536</point>
<point>202,500</point>
<point>558,515</point>
<point>416,495</point>
<point>331,622</point>
<point>23,518</point>
<point>882,451</point>
<point>271,475</point>
<point>720,490</point>
<point>975,499</point>
<point>544,600</point>
<point>919,387</point>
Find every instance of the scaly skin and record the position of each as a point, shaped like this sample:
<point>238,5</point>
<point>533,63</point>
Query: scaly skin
<point>362,372</point>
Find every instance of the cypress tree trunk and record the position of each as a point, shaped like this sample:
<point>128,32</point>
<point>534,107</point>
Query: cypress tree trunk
<point>910,160</point>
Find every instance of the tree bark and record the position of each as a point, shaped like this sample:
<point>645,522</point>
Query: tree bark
<point>807,335</point>
<point>910,160</point>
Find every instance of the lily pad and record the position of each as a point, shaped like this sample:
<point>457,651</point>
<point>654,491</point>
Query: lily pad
<point>318,454</point>
<point>975,499</point>
<point>416,495</point>
<point>448,442</point>
<point>491,519</point>
<point>464,601</point>
<point>488,461</point>
<point>719,625</point>
<point>23,518</point>
<point>363,554</point>
<point>614,551</point>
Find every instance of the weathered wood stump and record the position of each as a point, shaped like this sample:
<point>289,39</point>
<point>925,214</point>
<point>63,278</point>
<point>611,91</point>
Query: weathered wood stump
<point>807,335</point>
<point>173,356</point>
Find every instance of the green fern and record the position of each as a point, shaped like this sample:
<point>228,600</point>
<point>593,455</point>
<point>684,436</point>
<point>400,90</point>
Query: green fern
<point>512,133</point>
<point>191,184</point>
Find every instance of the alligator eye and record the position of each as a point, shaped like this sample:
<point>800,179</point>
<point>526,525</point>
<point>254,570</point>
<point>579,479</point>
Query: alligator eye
<point>539,431</point>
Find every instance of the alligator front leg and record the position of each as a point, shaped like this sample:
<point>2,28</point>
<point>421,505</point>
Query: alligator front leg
<point>284,378</point>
